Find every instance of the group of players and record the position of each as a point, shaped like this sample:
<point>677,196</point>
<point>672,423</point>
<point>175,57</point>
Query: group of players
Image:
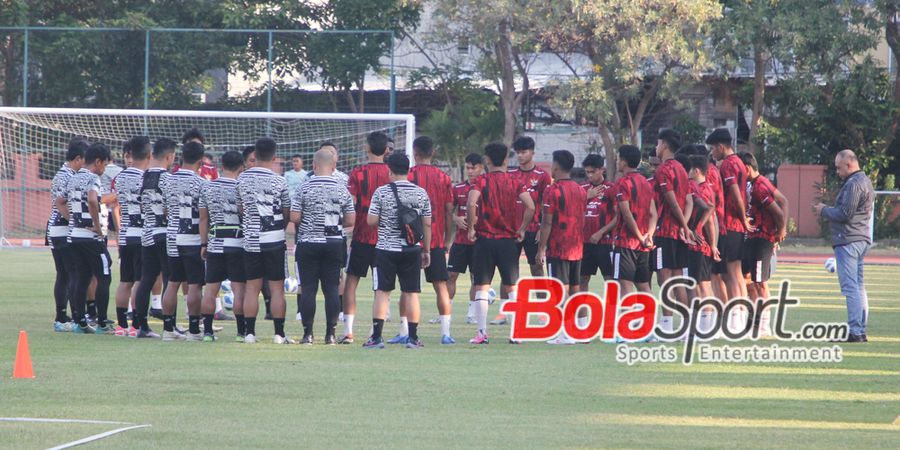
<point>706,214</point>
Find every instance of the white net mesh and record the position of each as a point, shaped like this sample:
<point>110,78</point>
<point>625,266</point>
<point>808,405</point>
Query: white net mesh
<point>33,143</point>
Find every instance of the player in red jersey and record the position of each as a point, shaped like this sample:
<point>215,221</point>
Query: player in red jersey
<point>562,227</point>
<point>714,178</point>
<point>734,182</point>
<point>462,249</point>
<point>768,210</point>
<point>704,251</point>
<point>636,222</point>
<point>494,230</point>
<point>599,221</point>
<point>363,181</point>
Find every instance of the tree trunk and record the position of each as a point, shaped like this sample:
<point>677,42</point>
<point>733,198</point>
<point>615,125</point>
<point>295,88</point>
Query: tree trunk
<point>892,36</point>
<point>759,96</point>
<point>507,82</point>
<point>609,148</point>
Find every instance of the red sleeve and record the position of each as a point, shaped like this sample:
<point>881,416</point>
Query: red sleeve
<point>551,200</point>
<point>729,174</point>
<point>765,195</point>
<point>478,183</point>
<point>353,182</point>
<point>520,188</point>
<point>664,179</point>
<point>623,192</point>
<point>547,180</point>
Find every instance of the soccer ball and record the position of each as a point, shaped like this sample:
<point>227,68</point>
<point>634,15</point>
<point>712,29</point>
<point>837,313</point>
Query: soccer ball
<point>830,265</point>
<point>291,285</point>
<point>228,300</point>
<point>226,286</point>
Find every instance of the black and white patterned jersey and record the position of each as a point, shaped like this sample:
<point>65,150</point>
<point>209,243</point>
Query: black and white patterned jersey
<point>263,194</point>
<point>153,205</point>
<point>183,204</point>
<point>127,187</point>
<point>57,225</point>
<point>322,202</point>
<point>390,236</point>
<point>81,187</point>
<point>220,199</point>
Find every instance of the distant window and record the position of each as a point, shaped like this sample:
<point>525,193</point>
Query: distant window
<point>200,97</point>
<point>462,47</point>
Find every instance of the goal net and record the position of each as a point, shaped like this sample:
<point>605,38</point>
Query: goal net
<point>33,143</point>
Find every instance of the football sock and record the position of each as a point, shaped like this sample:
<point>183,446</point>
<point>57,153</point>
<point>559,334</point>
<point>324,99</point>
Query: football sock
<point>445,325</point>
<point>279,326</point>
<point>377,326</point>
<point>169,322</point>
<point>481,311</point>
<point>348,324</point>
<point>404,327</point>
<point>121,316</point>
<point>239,319</point>
<point>250,325</point>
<point>194,324</point>
<point>156,301</point>
<point>666,324</point>
<point>207,324</point>
<point>413,331</point>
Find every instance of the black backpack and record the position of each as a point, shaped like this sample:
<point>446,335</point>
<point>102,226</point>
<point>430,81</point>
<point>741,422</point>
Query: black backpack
<point>409,219</point>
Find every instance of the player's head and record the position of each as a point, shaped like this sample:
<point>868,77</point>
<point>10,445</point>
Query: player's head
<point>164,151</point>
<point>495,154</point>
<point>687,149</point>
<point>297,163</point>
<point>208,159</point>
<point>324,162</point>
<point>97,157</point>
<point>331,147</point>
<point>524,147</point>
<point>699,166</point>
<point>376,143</point>
<point>139,148</point>
<point>232,162</point>
<point>846,163</point>
<point>474,165</point>
<point>423,148</point>
<point>667,142</point>
<point>719,142</point>
<point>750,163</point>
<point>192,153</point>
<point>193,135</point>
<point>75,153</point>
<point>390,146</point>
<point>593,168</point>
<point>628,157</point>
<point>265,149</point>
<point>398,163</point>
<point>684,160</point>
<point>563,162</point>
<point>249,154</point>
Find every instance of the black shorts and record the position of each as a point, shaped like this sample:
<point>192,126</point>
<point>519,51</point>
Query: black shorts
<point>361,257</point>
<point>437,270</point>
<point>154,261</point>
<point>530,244</point>
<point>389,266</point>
<point>669,253</point>
<point>500,254</point>
<point>460,257</point>
<point>268,265</point>
<point>731,246</point>
<point>92,255</point>
<point>187,266</point>
<point>567,272</point>
<point>758,259</point>
<point>699,266</point>
<point>226,266</point>
<point>130,263</point>
<point>631,265</point>
<point>597,256</point>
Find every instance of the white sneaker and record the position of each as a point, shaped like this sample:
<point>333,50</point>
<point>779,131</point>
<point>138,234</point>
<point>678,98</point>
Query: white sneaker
<point>282,340</point>
<point>173,336</point>
<point>471,320</point>
<point>194,337</point>
<point>249,339</point>
<point>435,320</point>
<point>562,339</point>
<point>299,317</point>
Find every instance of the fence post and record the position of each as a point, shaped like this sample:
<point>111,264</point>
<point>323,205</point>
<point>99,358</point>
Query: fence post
<point>269,85</point>
<point>393,94</point>
<point>147,69</point>
<point>22,167</point>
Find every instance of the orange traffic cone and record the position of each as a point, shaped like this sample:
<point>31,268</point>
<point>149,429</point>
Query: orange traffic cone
<point>23,367</point>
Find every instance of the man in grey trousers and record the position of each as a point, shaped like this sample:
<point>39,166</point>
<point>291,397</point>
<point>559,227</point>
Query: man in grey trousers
<point>849,221</point>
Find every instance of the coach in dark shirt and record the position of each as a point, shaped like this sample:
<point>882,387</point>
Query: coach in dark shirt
<point>849,219</point>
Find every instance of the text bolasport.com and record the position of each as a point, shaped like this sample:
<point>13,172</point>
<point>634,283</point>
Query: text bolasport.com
<point>631,321</point>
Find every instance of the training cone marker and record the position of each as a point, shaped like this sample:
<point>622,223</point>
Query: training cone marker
<point>23,368</point>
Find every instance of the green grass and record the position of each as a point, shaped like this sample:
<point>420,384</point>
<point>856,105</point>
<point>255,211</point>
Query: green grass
<point>228,395</point>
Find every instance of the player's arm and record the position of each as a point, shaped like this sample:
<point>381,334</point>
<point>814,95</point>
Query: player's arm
<point>426,241</point>
<point>651,228</point>
<point>204,231</point>
<point>527,215</point>
<point>785,208</point>
<point>372,219</point>
<point>448,224</point>
<point>546,224</point>
<point>94,210</point>
<point>471,207</point>
<point>605,229</point>
<point>677,213</point>
<point>628,218</point>
<point>778,215</point>
<point>62,206</point>
<point>734,197</point>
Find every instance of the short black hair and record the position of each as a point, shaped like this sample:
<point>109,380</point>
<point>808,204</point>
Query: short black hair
<point>474,159</point>
<point>700,162</point>
<point>631,155</point>
<point>139,147</point>
<point>749,160</point>
<point>565,159</point>
<point>398,162</point>
<point>162,147</point>
<point>232,160</point>
<point>327,144</point>
<point>265,149</point>
<point>247,151</point>
<point>297,156</point>
<point>671,138</point>
<point>523,143</point>
<point>496,152</point>
<point>684,160</point>
<point>98,151</point>
<point>377,142</point>
<point>209,156</point>
<point>593,160</point>
<point>126,147</point>
<point>687,149</point>
<point>77,147</point>
<point>719,136</point>
<point>192,151</point>
<point>191,134</point>
<point>423,146</point>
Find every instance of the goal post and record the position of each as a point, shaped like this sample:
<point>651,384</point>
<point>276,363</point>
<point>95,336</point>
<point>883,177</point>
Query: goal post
<point>33,143</point>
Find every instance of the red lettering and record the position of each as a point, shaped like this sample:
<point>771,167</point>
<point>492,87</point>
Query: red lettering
<point>646,316</point>
<point>595,313</point>
<point>612,308</point>
<point>523,305</point>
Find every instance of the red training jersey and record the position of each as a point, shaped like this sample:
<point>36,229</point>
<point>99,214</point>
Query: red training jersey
<point>636,190</point>
<point>598,212</point>
<point>761,195</point>
<point>498,191</point>
<point>361,183</point>
<point>209,172</point>
<point>670,177</point>
<point>439,188</point>
<point>733,172</point>
<point>460,201</point>
<point>714,179</point>
<point>567,201</point>
<point>702,192</point>
<point>535,181</point>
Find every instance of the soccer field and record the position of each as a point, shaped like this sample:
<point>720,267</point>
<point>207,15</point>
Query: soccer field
<point>230,395</point>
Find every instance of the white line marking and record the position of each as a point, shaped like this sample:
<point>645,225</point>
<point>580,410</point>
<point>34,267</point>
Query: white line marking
<point>95,437</point>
